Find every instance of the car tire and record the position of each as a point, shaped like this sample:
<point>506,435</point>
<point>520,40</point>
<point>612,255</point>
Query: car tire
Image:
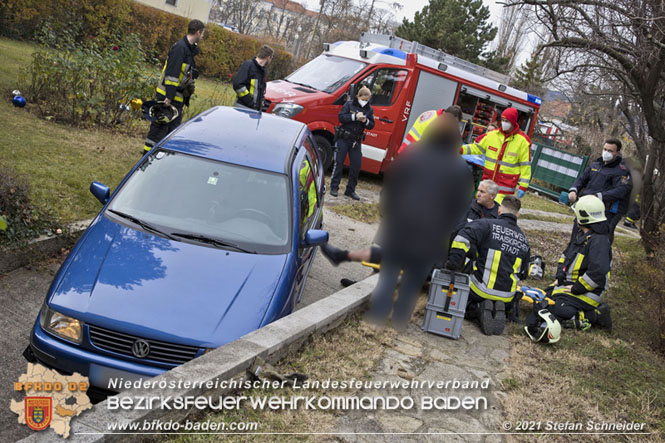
<point>325,151</point>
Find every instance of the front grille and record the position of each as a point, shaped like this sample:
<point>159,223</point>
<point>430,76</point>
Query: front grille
<point>122,343</point>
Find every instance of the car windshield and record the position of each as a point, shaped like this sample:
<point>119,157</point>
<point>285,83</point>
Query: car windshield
<point>326,72</point>
<point>197,199</point>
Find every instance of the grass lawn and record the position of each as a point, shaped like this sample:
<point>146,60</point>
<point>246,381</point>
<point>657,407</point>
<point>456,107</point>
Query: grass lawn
<point>60,161</point>
<point>594,375</point>
<point>533,201</point>
<point>324,356</point>
<point>363,212</point>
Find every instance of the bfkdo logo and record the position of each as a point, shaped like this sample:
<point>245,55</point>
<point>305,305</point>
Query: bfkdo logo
<point>38,412</point>
<point>51,399</point>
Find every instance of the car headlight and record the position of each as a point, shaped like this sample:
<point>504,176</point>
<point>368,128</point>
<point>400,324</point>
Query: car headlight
<point>288,110</point>
<point>61,325</point>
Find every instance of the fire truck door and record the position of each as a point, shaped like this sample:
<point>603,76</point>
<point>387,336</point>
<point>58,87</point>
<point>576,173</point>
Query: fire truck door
<point>386,85</point>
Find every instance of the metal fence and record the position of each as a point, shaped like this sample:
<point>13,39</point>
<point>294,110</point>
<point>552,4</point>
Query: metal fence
<point>555,167</point>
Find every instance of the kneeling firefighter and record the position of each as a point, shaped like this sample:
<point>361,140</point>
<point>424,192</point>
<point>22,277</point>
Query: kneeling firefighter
<point>176,84</point>
<point>500,252</point>
<point>584,269</point>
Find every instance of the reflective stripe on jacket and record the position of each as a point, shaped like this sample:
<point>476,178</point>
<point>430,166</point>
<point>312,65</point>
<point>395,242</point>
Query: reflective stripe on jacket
<point>177,70</point>
<point>418,129</point>
<point>306,179</point>
<point>507,159</point>
<point>585,264</point>
<point>249,84</point>
<point>501,254</point>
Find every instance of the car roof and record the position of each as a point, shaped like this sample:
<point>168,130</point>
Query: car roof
<point>239,136</point>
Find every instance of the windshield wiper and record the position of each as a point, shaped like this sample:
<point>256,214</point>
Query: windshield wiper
<point>141,223</point>
<point>212,241</point>
<point>303,84</point>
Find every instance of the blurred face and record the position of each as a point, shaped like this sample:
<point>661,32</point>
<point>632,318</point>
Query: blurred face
<point>483,197</point>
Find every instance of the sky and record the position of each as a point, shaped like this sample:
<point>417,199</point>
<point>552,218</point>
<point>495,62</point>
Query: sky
<point>413,6</point>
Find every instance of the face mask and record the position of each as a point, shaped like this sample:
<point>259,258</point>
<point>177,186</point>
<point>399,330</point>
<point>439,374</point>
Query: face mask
<point>506,126</point>
<point>362,102</point>
<point>607,156</point>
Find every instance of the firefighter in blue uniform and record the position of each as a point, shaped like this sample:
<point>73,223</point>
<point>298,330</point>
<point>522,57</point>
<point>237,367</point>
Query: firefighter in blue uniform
<point>249,82</point>
<point>176,84</point>
<point>584,270</point>
<point>500,252</point>
<point>609,179</point>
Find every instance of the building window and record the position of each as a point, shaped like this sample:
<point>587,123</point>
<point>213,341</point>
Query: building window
<point>171,2</point>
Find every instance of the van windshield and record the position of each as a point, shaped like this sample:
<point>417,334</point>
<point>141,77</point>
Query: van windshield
<point>326,72</point>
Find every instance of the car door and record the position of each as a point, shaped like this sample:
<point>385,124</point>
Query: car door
<point>308,211</point>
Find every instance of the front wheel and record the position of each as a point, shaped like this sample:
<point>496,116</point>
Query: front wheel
<point>326,151</point>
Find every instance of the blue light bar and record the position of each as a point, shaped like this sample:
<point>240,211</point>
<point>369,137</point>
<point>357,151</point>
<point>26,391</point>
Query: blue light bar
<point>534,99</point>
<point>393,52</point>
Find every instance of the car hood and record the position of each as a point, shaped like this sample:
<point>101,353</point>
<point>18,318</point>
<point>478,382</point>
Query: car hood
<point>126,280</point>
<point>278,91</point>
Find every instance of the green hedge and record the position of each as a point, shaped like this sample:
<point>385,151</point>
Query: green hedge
<point>105,22</point>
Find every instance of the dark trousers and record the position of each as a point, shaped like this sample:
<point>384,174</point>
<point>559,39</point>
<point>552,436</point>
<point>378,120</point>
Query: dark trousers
<point>158,132</point>
<point>613,220</point>
<point>342,147</point>
<point>415,274</point>
<point>565,309</point>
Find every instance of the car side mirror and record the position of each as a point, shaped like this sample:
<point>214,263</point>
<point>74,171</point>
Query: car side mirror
<point>101,191</point>
<point>316,237</point>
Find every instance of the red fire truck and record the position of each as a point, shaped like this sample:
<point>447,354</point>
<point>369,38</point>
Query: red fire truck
<point>406,79</point>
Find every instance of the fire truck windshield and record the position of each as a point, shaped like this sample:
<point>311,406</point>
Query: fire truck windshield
<point>326,72</point>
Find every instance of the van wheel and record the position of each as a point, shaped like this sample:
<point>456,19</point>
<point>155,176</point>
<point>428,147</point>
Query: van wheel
<point>325,151</point>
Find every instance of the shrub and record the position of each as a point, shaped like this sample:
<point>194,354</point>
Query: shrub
<point>89,85</point>
<point>58,23</point>
<point>24,222</point>
<point>222,53</point>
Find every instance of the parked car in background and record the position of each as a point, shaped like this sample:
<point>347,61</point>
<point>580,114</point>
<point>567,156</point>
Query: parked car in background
<point>209,237</point>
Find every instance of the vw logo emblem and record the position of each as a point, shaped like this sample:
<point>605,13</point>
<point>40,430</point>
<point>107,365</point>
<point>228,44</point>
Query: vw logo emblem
<point>140,348</point>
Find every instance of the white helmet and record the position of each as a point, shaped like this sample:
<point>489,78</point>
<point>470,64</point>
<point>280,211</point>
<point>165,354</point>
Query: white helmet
<point>546,328</point>
<point>589,209</point>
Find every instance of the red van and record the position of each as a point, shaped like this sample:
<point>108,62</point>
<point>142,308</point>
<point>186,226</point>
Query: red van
<point>406,79</point>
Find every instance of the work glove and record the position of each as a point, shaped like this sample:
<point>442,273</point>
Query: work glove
<point>520,193</point>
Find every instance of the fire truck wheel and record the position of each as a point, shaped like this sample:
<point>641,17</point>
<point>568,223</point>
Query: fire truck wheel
<point>325,151</point>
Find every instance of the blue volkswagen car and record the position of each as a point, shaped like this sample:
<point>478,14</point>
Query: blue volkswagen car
<point>209,237</point>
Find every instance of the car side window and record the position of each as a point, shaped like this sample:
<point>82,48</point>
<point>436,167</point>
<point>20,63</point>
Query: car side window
<point>307,194</point>
<point>385,85</point>
<point>313,154</point>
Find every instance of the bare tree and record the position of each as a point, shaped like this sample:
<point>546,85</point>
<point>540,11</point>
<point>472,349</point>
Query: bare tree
<point>514,26</point>
<point>240,13</point>
<point>618,42</point>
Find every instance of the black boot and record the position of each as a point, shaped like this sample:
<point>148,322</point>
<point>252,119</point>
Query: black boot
<point>486,319</point>
<point>352,194</point>
<point>334,255</point>
<point>604,319</point>
<point>499,321</point>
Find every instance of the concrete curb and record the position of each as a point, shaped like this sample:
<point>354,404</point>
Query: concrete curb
<point>270,342</point>
<point>43,246</point>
